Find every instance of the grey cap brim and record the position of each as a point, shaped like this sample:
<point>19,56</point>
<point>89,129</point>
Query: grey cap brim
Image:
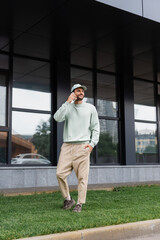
<point>80,86</point>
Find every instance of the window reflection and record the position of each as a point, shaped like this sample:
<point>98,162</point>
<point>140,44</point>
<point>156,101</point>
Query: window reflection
<point>3,148</point>
<point>146,142</point>
<point>158,89</point>
<point>143,65</point>
<point>105,52</point>
<point>83,77</point>
<point>31,99</point>
<point>143,112</point>
<point>144,108</point>
<point>30,138</point>
<point>106,94</point>
<point>158,78</point>
<point>108,142</point>
<point>3,95</point>
<point>4,61</point>
<point>31,84</point>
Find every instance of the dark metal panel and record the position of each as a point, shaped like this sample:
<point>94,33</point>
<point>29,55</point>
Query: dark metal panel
<point>53,138</point>
<point>129,133</point>
<point>157,100</point>
<point>62,78</point>
<point>94,63</point>
<point>10,103</point>
<point>60,58</point>
<point>125,83</point>
<point>158,126</point>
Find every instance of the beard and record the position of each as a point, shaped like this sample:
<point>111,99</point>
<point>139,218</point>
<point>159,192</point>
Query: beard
<point>79,98</point>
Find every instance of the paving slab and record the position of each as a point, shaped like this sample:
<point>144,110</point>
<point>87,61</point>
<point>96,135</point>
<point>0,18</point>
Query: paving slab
<point>151,237</point>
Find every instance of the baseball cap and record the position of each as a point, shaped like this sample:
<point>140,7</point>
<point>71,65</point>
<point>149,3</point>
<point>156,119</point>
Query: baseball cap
<point>77,86</point>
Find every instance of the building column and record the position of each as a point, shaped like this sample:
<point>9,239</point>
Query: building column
<point>124,62</point>
<point>60,77</point>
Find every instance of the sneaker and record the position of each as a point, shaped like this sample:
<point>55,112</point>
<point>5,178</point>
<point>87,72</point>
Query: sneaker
<point>68,204</point>
<point>78,208</point>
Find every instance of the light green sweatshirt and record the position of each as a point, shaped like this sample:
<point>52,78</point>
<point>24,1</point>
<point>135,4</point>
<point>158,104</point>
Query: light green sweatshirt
<point>81,123</point>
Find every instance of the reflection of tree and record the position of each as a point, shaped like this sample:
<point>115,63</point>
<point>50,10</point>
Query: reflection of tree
<point>106,147</point>
<point>41,139</point>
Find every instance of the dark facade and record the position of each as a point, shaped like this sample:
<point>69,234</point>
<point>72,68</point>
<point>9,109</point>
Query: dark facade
<point>45,48</point>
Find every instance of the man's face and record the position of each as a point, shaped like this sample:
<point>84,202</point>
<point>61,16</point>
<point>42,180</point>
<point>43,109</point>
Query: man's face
<point>79,92</point>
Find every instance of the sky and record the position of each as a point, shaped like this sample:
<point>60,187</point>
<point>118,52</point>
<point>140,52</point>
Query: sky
<point>26,123</point>
<point>31,99</point>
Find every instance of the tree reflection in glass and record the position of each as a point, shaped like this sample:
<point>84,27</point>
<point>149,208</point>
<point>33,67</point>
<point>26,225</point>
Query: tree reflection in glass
<point>30,137</point>
<point>108,142</point>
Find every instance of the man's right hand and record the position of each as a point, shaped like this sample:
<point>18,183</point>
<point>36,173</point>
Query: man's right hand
<point>72,97</point>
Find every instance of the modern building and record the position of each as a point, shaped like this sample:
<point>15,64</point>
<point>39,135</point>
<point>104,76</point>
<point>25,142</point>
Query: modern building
<point>112,47</point>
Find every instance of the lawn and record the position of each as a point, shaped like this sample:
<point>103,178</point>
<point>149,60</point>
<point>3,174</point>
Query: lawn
<point>41,214</point>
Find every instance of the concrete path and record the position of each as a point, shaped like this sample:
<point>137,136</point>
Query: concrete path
<point>145,230</point>
<point>152,237</point>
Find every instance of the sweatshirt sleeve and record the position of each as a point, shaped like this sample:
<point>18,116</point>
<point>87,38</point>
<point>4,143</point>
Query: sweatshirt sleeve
<point>95,128</point>
<point>60,114</point>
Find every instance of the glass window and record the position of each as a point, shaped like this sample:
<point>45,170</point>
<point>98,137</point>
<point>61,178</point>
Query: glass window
<point>158,89</point>
<point>3,147</point>
<point>31,84</point>
<point>106,95</point>
<point>82,56</point>
<point>144,103</point>
<point>143,64</point>
<point>4,41</point>
<point>108,142</point>
<point>146,142</point>
<point>4,61</point>
<point>30,137</point>
<point>3,96</point>
<point>105,52</point>
<point>83,77</point>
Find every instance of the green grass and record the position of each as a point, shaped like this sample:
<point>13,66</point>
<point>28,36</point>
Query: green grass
<point>40,214</point>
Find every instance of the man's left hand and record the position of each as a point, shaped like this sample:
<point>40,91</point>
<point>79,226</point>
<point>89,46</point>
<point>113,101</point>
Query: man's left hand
<point>89,146</point>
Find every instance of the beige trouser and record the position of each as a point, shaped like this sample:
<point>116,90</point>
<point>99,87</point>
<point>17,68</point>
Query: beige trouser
<point>74,156</point>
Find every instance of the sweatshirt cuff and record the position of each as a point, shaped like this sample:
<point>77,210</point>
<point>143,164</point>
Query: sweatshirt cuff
<point>92,144</point>
<point>66,103</point>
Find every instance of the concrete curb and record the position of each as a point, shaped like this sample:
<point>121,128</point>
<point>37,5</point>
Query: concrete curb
<point>115,232</point>
<point>104,186</point>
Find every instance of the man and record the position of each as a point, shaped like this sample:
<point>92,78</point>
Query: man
<point>80,135</point>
